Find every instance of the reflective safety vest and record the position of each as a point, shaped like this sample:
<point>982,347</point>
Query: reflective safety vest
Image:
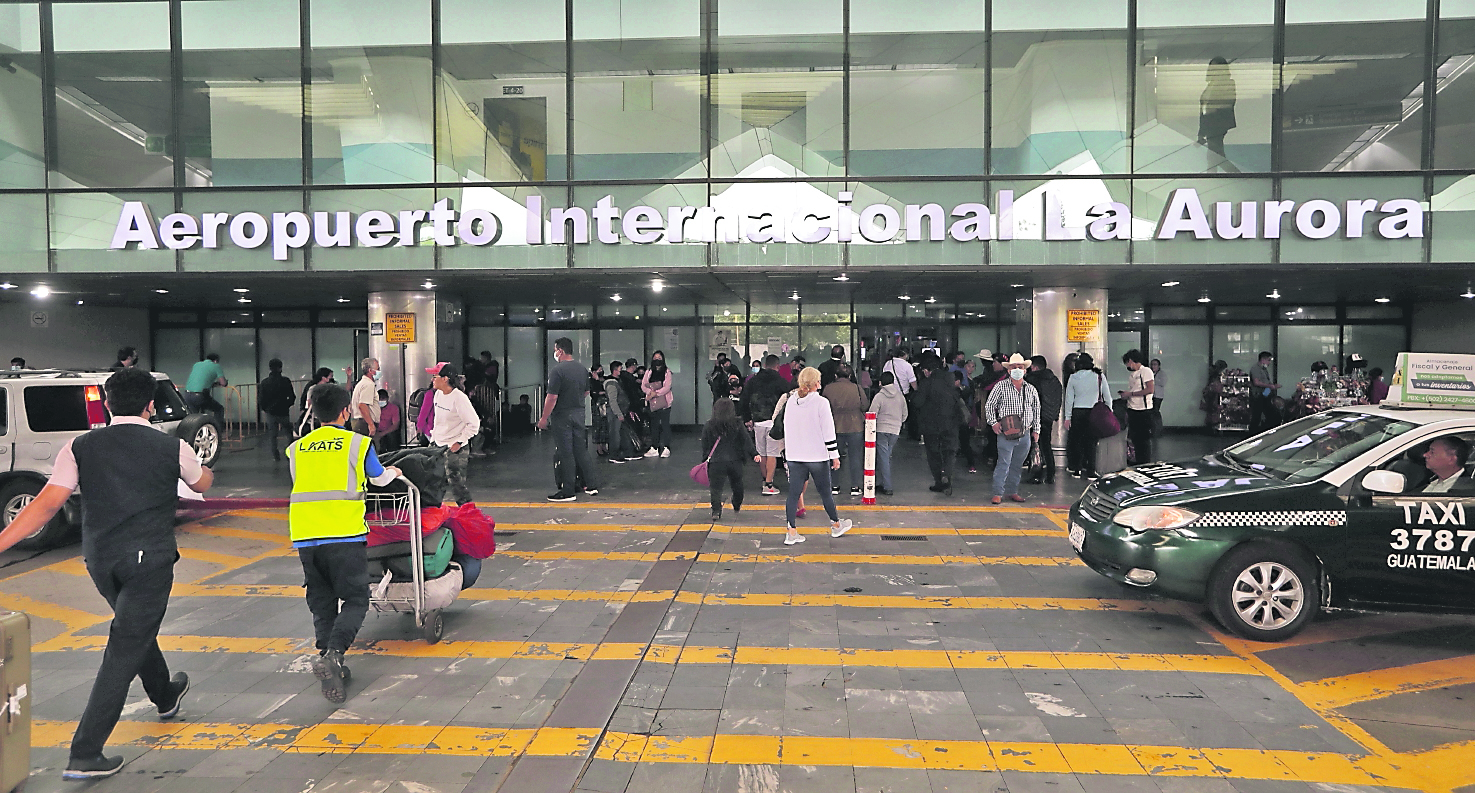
<point>328,483</point>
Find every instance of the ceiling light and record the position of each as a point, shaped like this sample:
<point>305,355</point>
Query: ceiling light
<point>663,308</point>
<point>657,285</point>
<point>1381,300</point>
<point>342,300</point>
<point>41,291</point>
<point>794,296</point>
<point>243,300</point>
<point>1205,298</point>
<point>7,285</point>
<point>967,313</point>
<point>427,285</point>
<point>1274,294</point>
<point>615,297</point>
<point>1468,294</point>
<point>1171,283</point>
<point>903,297</point>
<point>240,291</point>
<point>79,302</point>
<point>841,277</point>
<point>1017,286</point>
<point>930,300</point>
<point>726,313</point>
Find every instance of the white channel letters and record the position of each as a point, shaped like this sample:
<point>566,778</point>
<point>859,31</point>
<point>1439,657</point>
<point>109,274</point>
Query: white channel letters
<point>1424,545</point>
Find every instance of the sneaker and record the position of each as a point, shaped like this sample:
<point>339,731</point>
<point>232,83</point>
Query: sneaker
<point>618,460</point>
<point>972,470</point>
<point>837,531</point>
<point>328,668</point>
<point>563,497</point>
<point>736,508</point>
<point>178,686</point>
<point>93,768</point>
<point>651,452</point>
<point>769,489</point>
<point>716,515</point>
<point>937,488</point>
<point>854,491</point>
<point>887,492</point>
<point>794,540</point>
<point>834,491</point>
<point>666,452</point>
<point>591,491</point>
<point>799,513</point>
<point>1018,498</point>
<point>947,488</point>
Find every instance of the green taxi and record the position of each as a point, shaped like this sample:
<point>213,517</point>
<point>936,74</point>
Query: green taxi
<point>1337,510</point>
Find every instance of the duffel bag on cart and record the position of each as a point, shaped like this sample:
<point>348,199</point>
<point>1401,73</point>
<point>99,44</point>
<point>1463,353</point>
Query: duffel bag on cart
<point>395,557</point>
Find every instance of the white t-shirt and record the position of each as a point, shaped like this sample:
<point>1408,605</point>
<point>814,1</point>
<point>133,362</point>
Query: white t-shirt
<point>1137,381</point>
<point>455,419</point>
<point>905,377</point>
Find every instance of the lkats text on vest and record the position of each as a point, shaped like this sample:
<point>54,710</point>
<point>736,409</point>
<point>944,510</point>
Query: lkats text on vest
<point>1184,217</point>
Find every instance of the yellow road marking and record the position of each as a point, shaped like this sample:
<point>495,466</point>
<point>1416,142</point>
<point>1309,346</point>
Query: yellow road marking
<point>1327,768</point>
<point>225,559</point>
<point>72,619</point>
<point>597,505</point>
<point>1337,692</point>
<point>1448,767</point>
<point>659,528</point>
<point>941,531</point>
<point>877,558</point>
<point>240,534</point>
<point>1360,627</point>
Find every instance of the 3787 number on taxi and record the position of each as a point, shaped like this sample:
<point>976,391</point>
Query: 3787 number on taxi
<point>1417,536</point>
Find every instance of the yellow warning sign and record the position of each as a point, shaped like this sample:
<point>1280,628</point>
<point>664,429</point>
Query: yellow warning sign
<point>399,328</point>
<point>1082,325</point>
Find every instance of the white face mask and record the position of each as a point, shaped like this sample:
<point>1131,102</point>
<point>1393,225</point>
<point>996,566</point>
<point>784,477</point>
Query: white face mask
<point>383,403</point>
<point>1016,374</point>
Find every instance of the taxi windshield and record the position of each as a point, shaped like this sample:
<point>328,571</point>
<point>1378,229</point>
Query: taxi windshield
<point>1307,448</point>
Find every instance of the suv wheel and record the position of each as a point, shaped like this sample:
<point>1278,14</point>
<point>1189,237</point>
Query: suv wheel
<point>14,497</point>
<point>203,435</point>
<point>1264,592</point>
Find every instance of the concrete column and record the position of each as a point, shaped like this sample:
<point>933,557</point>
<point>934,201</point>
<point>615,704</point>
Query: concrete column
<point>437,338</point>
<point>1048,335</point>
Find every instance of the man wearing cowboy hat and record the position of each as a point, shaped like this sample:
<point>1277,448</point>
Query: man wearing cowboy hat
<point>1013,411</point>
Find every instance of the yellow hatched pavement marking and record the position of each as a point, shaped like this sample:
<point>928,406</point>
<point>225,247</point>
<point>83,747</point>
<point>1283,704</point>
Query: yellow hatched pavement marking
<point>1337,692</point>
<point>599,505</point>
<point>240,534</point>
<point>72,619</point>
<point>878,558</point>
<point>939,531</point>
<point>1324,768</point>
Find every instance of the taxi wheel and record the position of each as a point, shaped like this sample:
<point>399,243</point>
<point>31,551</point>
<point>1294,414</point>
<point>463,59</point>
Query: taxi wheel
<point>1264,592</point>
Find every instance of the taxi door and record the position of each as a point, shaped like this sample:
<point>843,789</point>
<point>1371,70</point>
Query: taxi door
<point>1411,549</point>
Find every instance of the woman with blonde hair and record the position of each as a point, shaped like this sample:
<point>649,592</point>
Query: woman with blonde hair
<point>811,450</point>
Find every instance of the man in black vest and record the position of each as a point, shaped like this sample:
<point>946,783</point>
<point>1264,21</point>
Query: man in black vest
<point>128,473</point>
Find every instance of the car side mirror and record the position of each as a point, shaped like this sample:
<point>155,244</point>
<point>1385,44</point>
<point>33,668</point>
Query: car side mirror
<point>1390,482</point>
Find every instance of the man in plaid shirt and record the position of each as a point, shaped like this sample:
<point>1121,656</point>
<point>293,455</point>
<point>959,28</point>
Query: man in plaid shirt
<point>1016,403</point>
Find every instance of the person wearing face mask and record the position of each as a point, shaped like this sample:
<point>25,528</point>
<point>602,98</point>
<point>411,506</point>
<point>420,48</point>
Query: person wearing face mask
<point>366,399</point>
<point>17,363</point>
<point>387,437</point>
<point>657,388</point>
<point>274,397</point>
<point>1013,411</point>
<point>563,409</point>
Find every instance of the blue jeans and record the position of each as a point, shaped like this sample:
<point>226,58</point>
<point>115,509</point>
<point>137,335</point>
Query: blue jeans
<point>1010,466</point>
<point>820,473</point>
<point>852,458</point>
<point>885,444</point>
<point>470,569</point>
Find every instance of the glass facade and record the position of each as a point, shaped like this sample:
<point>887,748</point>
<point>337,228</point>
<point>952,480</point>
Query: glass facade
<point>670,103</point>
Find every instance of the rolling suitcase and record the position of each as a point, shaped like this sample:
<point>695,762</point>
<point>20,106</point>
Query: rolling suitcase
<point>15,684</point>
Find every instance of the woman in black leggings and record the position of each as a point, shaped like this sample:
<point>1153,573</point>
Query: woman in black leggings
<point>1083,390</point>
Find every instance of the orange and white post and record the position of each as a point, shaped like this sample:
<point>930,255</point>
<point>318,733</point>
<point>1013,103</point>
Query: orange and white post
<point>869,493</point>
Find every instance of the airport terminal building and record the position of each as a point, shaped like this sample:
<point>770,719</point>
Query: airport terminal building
<point>272,178</point>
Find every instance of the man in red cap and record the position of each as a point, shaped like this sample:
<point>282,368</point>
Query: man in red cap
<point>456,423</point>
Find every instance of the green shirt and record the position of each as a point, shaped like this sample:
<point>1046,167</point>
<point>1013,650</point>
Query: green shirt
<point>203,376</point>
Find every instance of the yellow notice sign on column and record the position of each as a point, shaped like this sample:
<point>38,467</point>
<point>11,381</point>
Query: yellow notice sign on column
<point>399,328</point>
<point>1083,325</point>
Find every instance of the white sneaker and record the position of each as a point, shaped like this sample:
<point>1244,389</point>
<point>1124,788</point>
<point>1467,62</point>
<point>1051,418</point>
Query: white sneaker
<point>666,452</point>
<point>836,531</point>
<point>651,452</point>
<point>770,490</point>
<point>795,540</point>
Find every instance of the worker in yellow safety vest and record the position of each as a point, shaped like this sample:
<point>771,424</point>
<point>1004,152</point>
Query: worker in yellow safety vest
<point>330,469</point>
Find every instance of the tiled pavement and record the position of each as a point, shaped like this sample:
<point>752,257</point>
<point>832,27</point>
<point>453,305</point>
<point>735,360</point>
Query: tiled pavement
<point>630,645</point>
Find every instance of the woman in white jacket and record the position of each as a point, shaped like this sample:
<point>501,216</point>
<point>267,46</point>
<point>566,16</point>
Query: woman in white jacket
<point>812,451</point>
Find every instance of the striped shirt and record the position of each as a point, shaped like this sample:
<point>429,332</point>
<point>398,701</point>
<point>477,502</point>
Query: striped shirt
<point>1006,400</point>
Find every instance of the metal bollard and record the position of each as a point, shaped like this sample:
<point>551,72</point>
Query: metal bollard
<point>869,493</point>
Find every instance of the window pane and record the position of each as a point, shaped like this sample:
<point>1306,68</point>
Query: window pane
<point>511,249</point>
<point>242,112</point>
<point>637,89</point>
<point>1353,83</point>
<point>56,408</point>
<point>1375,312</point>
<point>916,87</point>
<point>1370,246</point>
<point>1452,213</point>
<point>759,211</point>
<point>1454,110</point>
<point>1060,87</point>
<point>666,251</point>
<point>777,99</point>
<point>112,95</point>
<point>230,257</point>
<point>1241,345</point>
<point>924,252</point>
<point>1151,196</point>
<point>370,98</point>
<point>22,151</point>
<point>1178,312</point>
<point>502,92</point>
<point>1204,82</point>
<point>82,226</point>
<point>416,254</point>
<point>1067,201</point>
<point>176,350</point>
<point>1301,346</point>
<point>1379,345</point>
<point>23,231</point>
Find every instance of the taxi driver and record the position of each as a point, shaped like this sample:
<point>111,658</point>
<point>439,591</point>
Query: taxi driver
<point>1446,460</point>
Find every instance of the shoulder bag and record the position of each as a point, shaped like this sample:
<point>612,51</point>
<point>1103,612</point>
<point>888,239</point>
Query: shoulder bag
<point>776,432</point>
<point>1103,420</point>
<point>699,471</point>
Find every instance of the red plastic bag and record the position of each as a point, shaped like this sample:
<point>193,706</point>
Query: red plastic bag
<point>473,530</point>
<point>431,518</point>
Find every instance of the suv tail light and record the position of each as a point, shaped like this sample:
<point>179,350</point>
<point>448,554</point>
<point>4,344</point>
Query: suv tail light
<point>96,415</point>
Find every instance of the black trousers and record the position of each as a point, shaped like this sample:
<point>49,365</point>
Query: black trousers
<point>571,455</point>
<point>1080,443</point>
<point>137,589</point>
<point>1139,432</point>
<point>336,572</point>
<point>942,454</point>
<point>732,472</point>
<point>277,426</point>
<point>965,443</point>
<point>1047,448</point>
<point>1263,414</point>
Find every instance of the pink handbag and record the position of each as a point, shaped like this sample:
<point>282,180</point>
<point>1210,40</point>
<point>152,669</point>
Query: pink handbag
<point>699,471</point>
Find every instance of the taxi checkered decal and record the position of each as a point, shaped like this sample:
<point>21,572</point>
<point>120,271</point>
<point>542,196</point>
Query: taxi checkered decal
<point>1276,518</point>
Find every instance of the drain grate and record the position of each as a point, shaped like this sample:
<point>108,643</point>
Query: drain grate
<point>903,538</point>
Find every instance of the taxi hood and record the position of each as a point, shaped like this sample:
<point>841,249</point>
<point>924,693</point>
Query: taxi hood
<point>1180,482</point>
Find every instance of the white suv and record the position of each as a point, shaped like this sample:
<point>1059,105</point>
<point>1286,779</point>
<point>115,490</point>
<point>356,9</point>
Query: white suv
<point>41,409</point>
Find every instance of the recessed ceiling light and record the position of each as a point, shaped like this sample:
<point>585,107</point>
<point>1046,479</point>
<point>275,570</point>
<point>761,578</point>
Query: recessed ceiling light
<point>903,297</point>
<point>1205,299</point>
<point>841,277</point>
<point>930,300</point>
<point>240,291</point>
<point>1274,294</point>
<point>726,313</point>
<point>657,285</point>
<point>243,300</point>
<point>427,285</point>
<point>794,296</point>
<point>342,300</point>
<point>1468,294</point>
<point>1017,286</point>
<point>663,308</point>
<point>1171,283</point>
<point>616,297</point>
<point>79,302</point>
<point>1381,300</point>
<point>7,285</point>
<point>161,291</point>
<point>41,291</point>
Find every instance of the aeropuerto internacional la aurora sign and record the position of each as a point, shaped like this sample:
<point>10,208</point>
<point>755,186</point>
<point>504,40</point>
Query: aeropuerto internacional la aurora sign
<point>820,218</point>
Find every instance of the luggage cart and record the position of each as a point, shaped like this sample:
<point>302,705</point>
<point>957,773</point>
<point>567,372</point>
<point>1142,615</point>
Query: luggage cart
<point>425,599</point>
